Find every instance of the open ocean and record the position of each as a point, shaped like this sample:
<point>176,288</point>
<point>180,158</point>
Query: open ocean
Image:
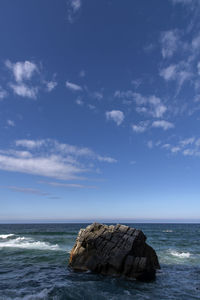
<point>34,265</point>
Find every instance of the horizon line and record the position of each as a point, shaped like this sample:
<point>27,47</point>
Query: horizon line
<point>87,221</point>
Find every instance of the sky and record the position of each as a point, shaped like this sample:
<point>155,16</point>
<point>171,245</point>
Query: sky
<point>99,110</point>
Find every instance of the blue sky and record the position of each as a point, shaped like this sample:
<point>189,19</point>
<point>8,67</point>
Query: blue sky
<point>100,104</point>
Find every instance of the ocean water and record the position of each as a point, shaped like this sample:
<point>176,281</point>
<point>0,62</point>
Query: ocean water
<point>34,265</point>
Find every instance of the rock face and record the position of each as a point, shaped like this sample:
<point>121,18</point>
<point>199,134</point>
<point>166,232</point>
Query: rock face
<point>114,250</point>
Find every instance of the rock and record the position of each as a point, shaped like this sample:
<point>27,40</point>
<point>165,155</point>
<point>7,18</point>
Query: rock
<point>114,250</point>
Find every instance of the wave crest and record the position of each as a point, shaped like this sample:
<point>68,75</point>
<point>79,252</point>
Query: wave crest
<point>27,243</point>
<point>5,236</point>
<point>180,254</point>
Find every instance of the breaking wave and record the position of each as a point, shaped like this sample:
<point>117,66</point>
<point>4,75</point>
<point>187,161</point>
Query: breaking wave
<point>180,254</point>
<point>26,243</point>
<point>5,236</point>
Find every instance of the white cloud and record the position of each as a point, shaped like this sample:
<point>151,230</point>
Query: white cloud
<point>116,115</point>
<point>150,144</point>
<point>169,42</point>
<point>144,104</point>
<point>27,190</point>
<point>51,85</point>
<point>141,127</point>
<point>49,158</point>
<point>51,166</point>
<point>186,142</point>
<point>82,73</point>
<point>169,73</point>
<point>74,87</point>
<point>69,185</point>
<point>74,7</point>
<point>11,123</point>
<point>139,99</point>
<point>106,159</point>
<point>30,144</point>
<point>27,79</point>
<point>198,67</point>
<point>142,109</point>
<point>188,147</point>
<point>158,108</point>
<point>24,91</point>
<point>189,152</point>
<point>91,106</point>
<point>97,95</point>
<point>163,124</point>
<point>185,2</point>
<point>175,149</point>
<point>17,153</point>
<point>166,146</point>
<point>179,73</point>
<point>67,153</point>
<point>22,70</point>
<point>79,102</point>
<point>136,83</point>
<point>197,98</point>
<point>130,96</point>
<point>196,43</point>
<point>76,4</point>
<point>3,93</point>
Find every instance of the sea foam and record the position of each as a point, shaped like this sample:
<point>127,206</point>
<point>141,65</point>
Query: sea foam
<point>180,254</point>
<point>5,236</point>
<point>28,243</point>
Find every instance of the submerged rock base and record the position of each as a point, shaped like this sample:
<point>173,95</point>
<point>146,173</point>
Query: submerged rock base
<point>114,250</point>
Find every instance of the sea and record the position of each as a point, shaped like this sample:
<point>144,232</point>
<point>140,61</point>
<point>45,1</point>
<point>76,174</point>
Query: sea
<point>34,265</point>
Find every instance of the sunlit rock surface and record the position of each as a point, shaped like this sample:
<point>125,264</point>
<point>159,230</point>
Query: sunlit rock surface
<point>114,250</point>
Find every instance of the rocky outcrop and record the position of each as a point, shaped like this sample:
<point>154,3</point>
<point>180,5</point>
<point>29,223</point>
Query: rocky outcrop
<point>114,250</point>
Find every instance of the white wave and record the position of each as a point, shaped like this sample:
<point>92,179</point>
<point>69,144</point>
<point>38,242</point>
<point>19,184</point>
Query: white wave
<point>5,236</point>
<point>28,243</point>
<point>43,295</point>
<point>168,230</point>
<point>180,254</point>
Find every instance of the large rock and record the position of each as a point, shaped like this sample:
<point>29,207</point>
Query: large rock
<point>114,250</point>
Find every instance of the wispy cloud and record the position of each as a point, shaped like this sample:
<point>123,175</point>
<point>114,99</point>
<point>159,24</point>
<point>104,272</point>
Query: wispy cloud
<point>69,185</point>
<point>53,166</point>
<point>27,79</point>
<point>22,70</point>
<point>186,2</point>
<point>24,91</point>
<point>187,147</point>
<point>157,108</point>
<point>30,144</point>
<point>169,42</point>
<point>115,115</point>
<point>82,73</point>
<point>180,73</point>
<point>136,83</point>
<point>51,85</point>
<point>140,127</point>
<point>150,144</point>
<point>49,158</point>
<point>150,105</point>
<point>97,95</point>
<point>3,93</point>
<point>79,102</point>
<point>10,123</point>
<point>73,86</point>
<point>27,190</point>
<point>73,9</point>
<point>163,124</point>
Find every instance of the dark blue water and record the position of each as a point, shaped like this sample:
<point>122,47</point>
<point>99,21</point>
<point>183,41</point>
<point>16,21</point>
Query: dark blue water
<point>34,265</point>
